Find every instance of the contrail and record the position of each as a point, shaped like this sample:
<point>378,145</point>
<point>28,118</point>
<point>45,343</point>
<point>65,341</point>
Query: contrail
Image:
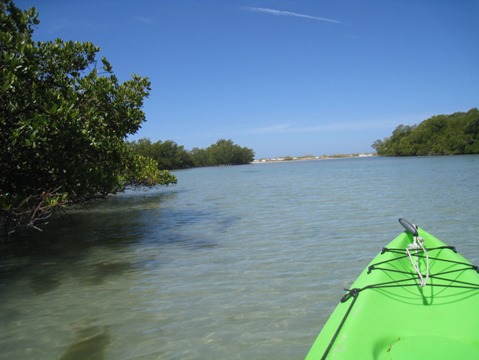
<point>289,13</point>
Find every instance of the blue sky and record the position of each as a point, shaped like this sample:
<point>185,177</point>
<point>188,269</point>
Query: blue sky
<point>282,77</point>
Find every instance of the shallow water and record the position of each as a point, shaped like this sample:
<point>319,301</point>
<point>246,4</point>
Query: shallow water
<point>241,262</point>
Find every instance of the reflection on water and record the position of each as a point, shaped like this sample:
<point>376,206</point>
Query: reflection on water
<point>102,271</point>
<point>233,263</point>
<point>44,283</point>
<point>90,343</point>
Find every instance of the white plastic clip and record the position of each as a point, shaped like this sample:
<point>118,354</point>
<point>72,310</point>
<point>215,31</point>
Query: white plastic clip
<point>416,245</point>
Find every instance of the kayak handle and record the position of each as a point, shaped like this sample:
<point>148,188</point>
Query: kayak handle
<point>409,226</point>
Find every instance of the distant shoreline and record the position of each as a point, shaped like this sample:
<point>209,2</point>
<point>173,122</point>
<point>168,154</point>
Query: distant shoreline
<point>308,158</point>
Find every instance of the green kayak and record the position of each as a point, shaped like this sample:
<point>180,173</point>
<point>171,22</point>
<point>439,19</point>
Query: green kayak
<point>417,299</point>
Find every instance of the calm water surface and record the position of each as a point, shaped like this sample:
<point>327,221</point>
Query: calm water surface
<point>239,262</point>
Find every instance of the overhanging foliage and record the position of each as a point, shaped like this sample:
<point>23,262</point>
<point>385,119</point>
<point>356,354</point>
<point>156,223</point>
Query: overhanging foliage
<point>63,123</point>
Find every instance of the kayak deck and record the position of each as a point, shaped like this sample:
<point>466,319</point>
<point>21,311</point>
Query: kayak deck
<point>387,314</point>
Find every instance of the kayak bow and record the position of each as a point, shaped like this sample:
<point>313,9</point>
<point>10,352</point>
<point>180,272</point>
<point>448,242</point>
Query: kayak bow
<point>418,298</point>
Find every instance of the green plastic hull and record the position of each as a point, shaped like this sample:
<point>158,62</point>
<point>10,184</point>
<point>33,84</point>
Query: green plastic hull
<point>401,319</point>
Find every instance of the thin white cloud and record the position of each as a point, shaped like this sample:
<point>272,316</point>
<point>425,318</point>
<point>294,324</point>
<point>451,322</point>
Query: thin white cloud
<point>345,126</point>
<point>143,20</point>
<point>331,127</point>
<point>291,128</point>
<point>270,129</point>
<point>290,13</point>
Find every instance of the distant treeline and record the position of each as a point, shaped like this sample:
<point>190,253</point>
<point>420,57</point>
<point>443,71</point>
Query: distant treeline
<point>169,155</point>
<point>453,134</point>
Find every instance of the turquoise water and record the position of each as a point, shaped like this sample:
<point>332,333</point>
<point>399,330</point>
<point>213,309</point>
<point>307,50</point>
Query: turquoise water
<point>241,262</point>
